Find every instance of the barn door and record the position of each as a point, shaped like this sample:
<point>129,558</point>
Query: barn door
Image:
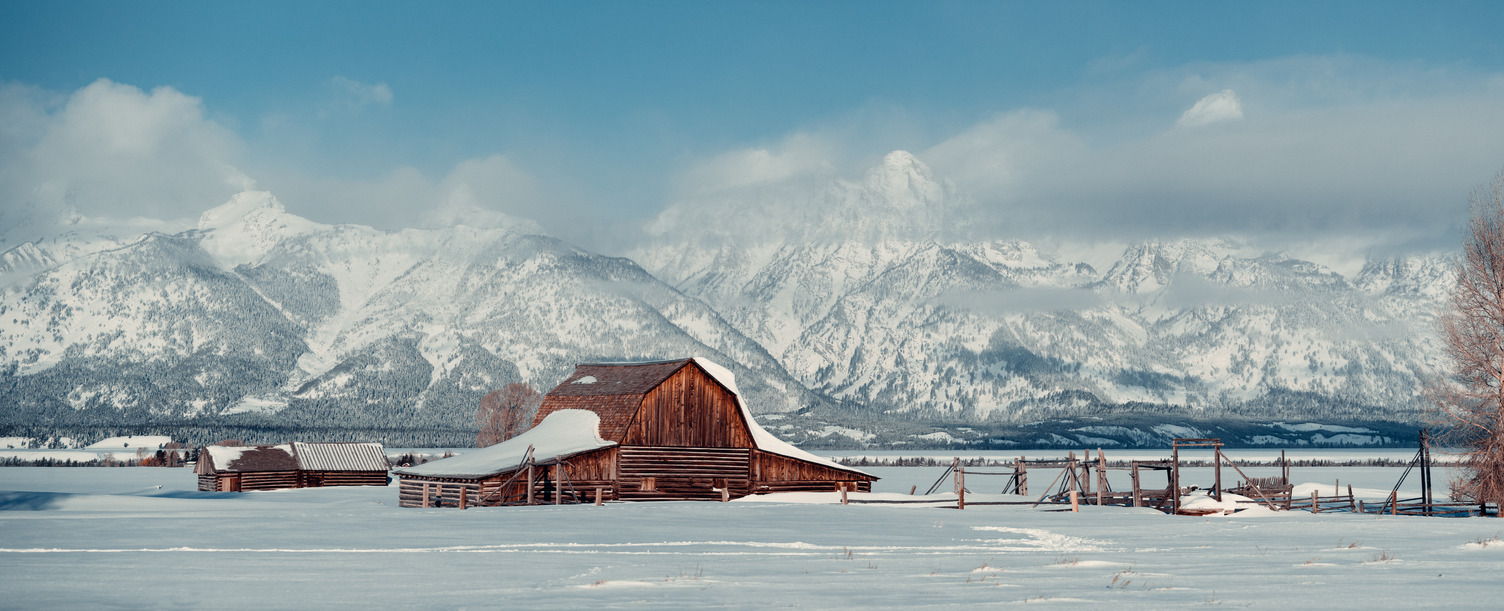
<point>231,483</point>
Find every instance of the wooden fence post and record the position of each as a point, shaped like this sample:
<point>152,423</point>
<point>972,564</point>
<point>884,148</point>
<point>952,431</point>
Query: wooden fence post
<point>843,494</point>
<point>598,501</point>
<point>1217,470</point>
<point>1023,476</point>
<point>425,494</point>
<point>1315,503</point>
<point>1101,475</point>
<point>558,484</point>
<point>530,499</point>
<point>464,496</point>
<point>961,488</point>
<point>1075,501</point>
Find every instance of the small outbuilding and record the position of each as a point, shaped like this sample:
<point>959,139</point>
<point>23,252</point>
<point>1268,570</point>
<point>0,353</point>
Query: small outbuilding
<point>663,430</point>
<point>291,465</point>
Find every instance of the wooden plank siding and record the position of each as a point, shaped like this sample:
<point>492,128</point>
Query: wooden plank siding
<point>313,479</point>
<point>689,409</point>
<point>255,480</point>
<point>684,473</point>
<point>583,473</point>
<point>777,473</point>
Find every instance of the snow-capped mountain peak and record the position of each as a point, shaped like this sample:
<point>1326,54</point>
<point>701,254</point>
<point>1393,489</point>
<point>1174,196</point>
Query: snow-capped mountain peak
<point>244,229</point>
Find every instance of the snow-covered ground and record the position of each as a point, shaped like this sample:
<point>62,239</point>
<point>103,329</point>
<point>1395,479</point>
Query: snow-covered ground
<point>141,537</point>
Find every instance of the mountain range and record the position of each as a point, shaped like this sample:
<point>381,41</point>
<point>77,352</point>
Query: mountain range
<point>858,318</point>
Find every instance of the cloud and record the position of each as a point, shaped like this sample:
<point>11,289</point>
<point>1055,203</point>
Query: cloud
<point>795,156</point>
<point>1345,149</point>
<point>354,94</point>
<point>1215,108</point>
<point>489,191</point>
<point>114,150</point>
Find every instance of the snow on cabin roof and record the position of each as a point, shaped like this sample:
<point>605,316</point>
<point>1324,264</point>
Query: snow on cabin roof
<point>244,459</point>
<point>561,434</point>
<point>764,440</point>
<point>340,456</point>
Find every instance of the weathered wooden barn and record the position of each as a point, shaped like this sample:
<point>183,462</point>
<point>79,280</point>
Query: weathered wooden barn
<point>290,465</point>
<point>666,430</point>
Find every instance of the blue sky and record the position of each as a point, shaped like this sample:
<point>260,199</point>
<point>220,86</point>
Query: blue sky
<point>605,108</point>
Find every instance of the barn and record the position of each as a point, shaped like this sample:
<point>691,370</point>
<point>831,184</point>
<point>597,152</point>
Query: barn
<point>290,465</point>
<point>662,430</point>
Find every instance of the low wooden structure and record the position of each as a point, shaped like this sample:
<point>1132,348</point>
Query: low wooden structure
<point>290,465</point>
<point>664,430</point>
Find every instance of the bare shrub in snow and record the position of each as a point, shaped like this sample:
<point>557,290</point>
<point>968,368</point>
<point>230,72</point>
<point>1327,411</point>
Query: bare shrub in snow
<point>505,413</point>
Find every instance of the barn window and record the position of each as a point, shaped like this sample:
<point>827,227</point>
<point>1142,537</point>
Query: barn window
<point>650,483</point>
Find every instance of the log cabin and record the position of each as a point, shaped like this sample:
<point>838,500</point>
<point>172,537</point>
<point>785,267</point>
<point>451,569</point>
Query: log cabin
<point>290,465</point>
<point>663,430</point>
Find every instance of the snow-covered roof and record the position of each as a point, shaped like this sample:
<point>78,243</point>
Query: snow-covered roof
<point>340,456</point>
<point>252,458</point>
<point>764,440</point>
<point>561,434</point>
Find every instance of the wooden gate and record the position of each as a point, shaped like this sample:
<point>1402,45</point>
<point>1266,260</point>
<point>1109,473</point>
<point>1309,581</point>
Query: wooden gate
<point>671,473</point>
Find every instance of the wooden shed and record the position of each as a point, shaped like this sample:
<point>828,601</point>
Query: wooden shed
<point>290,465</point>
<point>664,430</point>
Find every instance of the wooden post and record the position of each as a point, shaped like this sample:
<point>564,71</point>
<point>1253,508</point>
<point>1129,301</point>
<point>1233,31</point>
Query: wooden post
<point>913,489</point>
<point>1137,493</point>
<point>1217,470</point>
<point>1075,501</point>
<point>960,480</point>
<point>1315,503</point>
<point>1174,478</point>
<point>1086,472</point>
<point>1101,475</point>
<point>1023,476</point>
<point>598,501</point>
<point>425,494</point>
<point>843,494</point>
<point>1425,473</point>
<point>530,480</point>
<point>1394,502</point>
<point>1350,497</point>
<point>1071,482</point>
<point>726,494</point>
<point>558,484</point>
<point>1284,469</point>
<point>464,497</point>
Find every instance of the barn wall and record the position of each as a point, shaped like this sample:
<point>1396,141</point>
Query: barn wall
<point>208,482</point>
<point>309,479</point>
<point>689,409</point>
<point>683,473</point>
<point>268,480</point>
<point>776,473</point>
<point>583,471</point>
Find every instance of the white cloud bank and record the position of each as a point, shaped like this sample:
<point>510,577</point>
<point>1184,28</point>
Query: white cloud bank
<point>1215,108</point>
<point>115,155</point>
<point>111,150</point>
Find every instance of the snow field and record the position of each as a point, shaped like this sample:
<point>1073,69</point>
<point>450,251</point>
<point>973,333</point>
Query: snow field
<point>110,537</point>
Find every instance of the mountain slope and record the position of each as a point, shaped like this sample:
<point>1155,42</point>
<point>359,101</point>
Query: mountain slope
<point>258,317</point>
